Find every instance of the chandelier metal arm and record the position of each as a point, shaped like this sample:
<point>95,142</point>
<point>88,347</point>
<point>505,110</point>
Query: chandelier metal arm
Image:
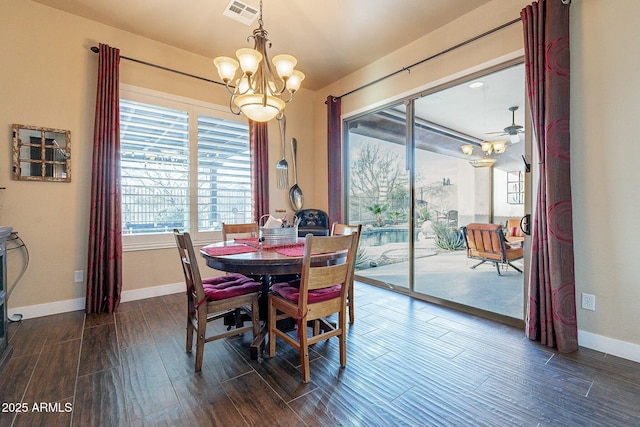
<point>261,91</point>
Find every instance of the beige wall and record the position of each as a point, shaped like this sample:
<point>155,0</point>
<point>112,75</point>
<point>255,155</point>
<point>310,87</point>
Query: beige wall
<point>48,79</point>
<point>605,175</point>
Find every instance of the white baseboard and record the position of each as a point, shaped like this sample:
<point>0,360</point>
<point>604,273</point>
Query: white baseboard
<point>611,346</point>
<point>156,291</point>
<point>39,310</point>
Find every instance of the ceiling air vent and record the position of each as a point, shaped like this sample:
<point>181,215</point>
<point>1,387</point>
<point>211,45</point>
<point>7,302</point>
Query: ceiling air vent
<point>240,12</point>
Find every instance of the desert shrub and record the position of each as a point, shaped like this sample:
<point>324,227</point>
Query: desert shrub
<point>447,238</point>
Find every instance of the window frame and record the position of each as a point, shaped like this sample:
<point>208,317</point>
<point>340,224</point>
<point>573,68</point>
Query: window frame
<point>194,107</point>
<point>515,188</point>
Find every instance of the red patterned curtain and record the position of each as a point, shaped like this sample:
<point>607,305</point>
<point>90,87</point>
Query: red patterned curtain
<point>259,145</point>
<point>334,157</point>
<point>551,311</point>
<point>104,269</point>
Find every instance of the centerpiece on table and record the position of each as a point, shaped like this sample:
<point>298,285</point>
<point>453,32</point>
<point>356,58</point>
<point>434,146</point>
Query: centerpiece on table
<point>278,231</point>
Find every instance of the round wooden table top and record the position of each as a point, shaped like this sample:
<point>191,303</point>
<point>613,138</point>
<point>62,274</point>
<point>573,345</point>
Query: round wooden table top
<point>261,262</point>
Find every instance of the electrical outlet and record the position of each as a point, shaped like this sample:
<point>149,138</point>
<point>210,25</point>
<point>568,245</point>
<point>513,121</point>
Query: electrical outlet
<point>78,276</point>
<point>589,302</point>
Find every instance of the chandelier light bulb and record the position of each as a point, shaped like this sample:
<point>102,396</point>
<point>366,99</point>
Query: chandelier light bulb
<point>249,60</point>
<point>284,65</point>
<point>499,146</point>
<point>486,146</point>
<point>467,149</point>
<point>226,67</point>
<point>295,81</point>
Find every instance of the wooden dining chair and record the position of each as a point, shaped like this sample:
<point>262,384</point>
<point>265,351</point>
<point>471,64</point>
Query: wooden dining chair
<point>239,230</point>
<point>320,292</point>
<point>338,229</point>
<point>214,298</point>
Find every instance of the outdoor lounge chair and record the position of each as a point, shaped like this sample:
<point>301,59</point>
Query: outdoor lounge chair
<point>486,242</point>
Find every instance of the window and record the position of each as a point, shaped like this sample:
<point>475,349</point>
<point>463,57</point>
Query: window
<point>224,173</point>
<point>515,188</point>
<point>184,165</point>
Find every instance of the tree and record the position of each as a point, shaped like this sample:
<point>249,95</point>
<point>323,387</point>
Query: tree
<point>378,210</point>
<point>377,175</point>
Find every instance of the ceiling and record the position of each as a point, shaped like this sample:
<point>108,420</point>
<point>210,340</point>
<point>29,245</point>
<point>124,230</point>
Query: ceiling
<point>330,39</point>
<point>458,115</point>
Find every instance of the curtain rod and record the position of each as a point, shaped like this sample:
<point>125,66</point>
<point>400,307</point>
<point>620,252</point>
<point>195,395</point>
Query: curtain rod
<point>95,49</point>
<point>408,68</point>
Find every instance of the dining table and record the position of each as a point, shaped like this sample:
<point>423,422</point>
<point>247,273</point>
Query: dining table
<point>251,257</point>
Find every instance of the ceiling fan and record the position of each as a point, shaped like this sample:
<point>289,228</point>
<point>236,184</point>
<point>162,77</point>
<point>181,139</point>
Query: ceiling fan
<point>512,130</point>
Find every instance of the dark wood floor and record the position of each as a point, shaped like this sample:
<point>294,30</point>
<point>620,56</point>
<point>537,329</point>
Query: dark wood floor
<point>410,363</point>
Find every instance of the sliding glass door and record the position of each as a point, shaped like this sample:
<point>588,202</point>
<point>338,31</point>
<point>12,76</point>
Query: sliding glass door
<point>420,170</point>
<point>379,196</point>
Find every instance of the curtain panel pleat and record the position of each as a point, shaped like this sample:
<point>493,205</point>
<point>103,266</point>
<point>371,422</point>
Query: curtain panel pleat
<point>334,159</point>
<point>551,309</point>
<point>104,266</point>
<point>259,146</point>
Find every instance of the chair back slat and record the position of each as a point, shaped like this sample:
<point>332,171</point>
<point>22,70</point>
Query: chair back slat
<point>229,231</point>
<point>325,276</point>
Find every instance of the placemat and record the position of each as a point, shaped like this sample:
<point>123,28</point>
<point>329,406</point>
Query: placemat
<point>228,250</point>
<point>291,250</point>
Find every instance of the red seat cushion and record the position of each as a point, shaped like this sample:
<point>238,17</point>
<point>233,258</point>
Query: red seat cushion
<point>231,285</point>
<point>291,291</point>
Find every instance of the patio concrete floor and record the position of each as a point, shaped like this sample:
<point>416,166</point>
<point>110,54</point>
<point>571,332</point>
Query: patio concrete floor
<point>449,276</point>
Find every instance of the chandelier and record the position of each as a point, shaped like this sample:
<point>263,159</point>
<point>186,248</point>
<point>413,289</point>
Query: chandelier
<point>487,147</point>
<point>259,94</point>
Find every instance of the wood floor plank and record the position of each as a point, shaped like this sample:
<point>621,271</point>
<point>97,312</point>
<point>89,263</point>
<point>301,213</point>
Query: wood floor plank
<point>549,408</point>
<point>319,409</point>
<point>65,327</point>
<point>132,329</point>
<point>100,400</point>
<point>433,404</point>
<point>620,399</point>
<point>423,367</point>
<point>222,359</point>
<point>147,386</point>
<point>205,403</point>
<point>607,363</point>
<point>169,416</point>
<point>285,378</point>
<point>350,402</point>
<point>98,319</point>
<point>29,337</point>
<point>54,377</point>
<point>160,321</point>
<point>15,375</point>
<point>177,362</point>
<point>258,403</point>
<point>100,349</point>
